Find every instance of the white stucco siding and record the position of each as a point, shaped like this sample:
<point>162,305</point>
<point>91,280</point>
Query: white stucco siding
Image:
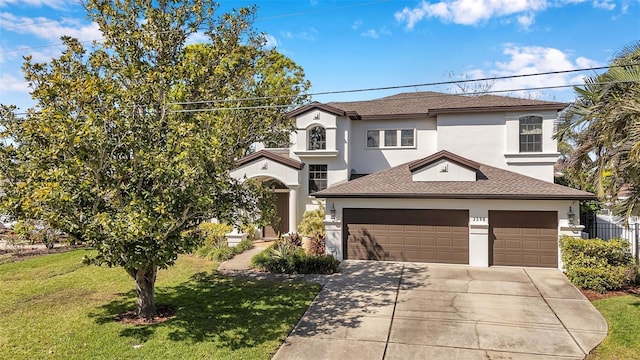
<point>478,137</point>
<point>478,218</point>
<point>494,139</point>
<point>369,160</point>
<point>313,118</point>
<point>267,168</point>
<point>549,144</point>
<point>444,170</point>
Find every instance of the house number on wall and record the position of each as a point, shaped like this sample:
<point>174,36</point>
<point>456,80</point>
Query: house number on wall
<point>478,219</point>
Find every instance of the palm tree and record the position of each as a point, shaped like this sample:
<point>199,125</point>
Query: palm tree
<point>604,126</point>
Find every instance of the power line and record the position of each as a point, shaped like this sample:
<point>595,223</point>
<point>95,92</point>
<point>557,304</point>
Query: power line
<point>422,96</point>
<point>549,87</point>
<point>437,83</point>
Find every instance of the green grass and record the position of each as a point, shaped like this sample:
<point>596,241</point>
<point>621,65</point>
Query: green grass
<point>55,307</point>
<point>623,341</point>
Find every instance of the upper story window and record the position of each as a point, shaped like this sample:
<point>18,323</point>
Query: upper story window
<point>530,134</point>
<point>317,178</point>
<point>317,138</point>
<point>391,138</point>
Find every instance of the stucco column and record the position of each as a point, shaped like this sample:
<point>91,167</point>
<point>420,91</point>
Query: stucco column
<point>479,241</point>
<point>293,209</point>
<point>333,239</point>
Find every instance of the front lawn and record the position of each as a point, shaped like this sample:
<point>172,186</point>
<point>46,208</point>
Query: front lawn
<point>55,307</point>
<point>623,341</point>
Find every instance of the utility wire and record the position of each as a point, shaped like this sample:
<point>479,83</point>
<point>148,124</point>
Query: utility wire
<point>422,96</point>
<point>437,83</point>
<point>417,96</point>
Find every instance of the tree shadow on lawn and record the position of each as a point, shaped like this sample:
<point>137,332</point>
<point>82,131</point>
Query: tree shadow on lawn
<point>231,312</point>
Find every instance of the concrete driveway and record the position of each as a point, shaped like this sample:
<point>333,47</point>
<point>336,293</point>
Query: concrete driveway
<point>380,310</point>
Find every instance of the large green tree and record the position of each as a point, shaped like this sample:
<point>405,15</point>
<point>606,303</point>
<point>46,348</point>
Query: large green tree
<point>604,126</point>
<point>131,141</point>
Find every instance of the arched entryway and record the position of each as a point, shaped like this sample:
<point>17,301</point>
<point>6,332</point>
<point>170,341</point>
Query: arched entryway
<point>281,224</point>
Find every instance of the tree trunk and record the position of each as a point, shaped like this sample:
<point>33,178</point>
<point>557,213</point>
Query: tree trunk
<point>145,288</point>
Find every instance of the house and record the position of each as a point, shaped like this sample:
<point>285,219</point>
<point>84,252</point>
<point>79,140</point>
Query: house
<point>426,177</point>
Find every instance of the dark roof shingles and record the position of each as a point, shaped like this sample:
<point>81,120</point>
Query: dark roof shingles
<point>491,183</point>
<point>430,102</point>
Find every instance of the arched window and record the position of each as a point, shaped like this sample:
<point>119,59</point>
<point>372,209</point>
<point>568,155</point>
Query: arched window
<point>530,134</point>
<point>317,138</point>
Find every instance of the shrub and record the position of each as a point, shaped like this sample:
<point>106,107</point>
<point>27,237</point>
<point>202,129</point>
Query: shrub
<point>243,246</point>
<point>318,245</point>
<point>285,258</point>
<point>312,224</point>
<point>214,243</point>
<point>597,264</point>
<point>214,234</point>
<point>250,230</point>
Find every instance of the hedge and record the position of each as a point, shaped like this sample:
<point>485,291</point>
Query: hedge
<point>286,258</point>
<point>597,264</point>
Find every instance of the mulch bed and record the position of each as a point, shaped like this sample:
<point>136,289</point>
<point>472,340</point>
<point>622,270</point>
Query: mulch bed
<point>594,295</point>
<point>163,313</point>
<point>11,255</point>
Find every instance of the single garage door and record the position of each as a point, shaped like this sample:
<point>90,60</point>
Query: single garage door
<point>438,236</point>
<point>523,238</point>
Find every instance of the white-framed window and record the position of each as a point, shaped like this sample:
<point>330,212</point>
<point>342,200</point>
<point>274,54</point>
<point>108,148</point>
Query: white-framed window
<point>317,178</point>
<point>317,138</point>
<point>391,138</point>
<point>530,133</point>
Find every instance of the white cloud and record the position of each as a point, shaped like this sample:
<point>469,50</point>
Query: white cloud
<point>56,4</point>
<point>473,12</point>
<point>270,41</point>
<point>467,12</point>
<point>196,38</point>
<point>374,34</point>
<point>10,83</point>
<point>523,60</point>
<point>309,34</point>
<point>604,4</point>
<point>356,24</point>
<point>48,29</point>
<point>526,21</point>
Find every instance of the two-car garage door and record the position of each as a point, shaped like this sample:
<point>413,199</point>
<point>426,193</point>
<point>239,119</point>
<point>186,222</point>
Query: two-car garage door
<point>438,236</point>
<point>516,238</point>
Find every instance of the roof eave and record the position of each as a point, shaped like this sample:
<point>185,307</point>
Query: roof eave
<point>475,109</point>
<point>457,196</point>
<point>315,105</point>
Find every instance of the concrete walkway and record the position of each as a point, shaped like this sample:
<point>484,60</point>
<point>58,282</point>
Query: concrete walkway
<point>380,310</point>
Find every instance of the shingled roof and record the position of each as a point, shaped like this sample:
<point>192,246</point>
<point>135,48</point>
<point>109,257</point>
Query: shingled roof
<point>431,103</point>
<point>491,183</point>
<point>271,156</point>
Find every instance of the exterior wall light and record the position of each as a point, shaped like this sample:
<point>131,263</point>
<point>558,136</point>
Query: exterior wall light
<point>333,211</point>
<point>571,216</point>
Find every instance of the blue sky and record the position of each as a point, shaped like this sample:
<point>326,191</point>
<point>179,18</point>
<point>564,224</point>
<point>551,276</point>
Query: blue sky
<point>345,45</point>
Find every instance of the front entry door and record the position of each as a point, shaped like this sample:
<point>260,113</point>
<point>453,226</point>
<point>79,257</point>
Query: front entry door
<point>282,209</point>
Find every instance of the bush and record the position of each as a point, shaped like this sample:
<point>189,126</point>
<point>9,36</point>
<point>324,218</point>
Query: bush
<point>312,224</point>
<point>215,246</point>
<point>214,234</point>
<point>598,265</point>
<point>318,245</point>
<point>286,258</point>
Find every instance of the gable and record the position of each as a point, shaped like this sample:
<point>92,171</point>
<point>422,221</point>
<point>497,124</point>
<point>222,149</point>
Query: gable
<point>444,170</point>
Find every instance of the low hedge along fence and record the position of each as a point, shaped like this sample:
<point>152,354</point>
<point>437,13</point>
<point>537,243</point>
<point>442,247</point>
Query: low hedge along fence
<point>597,264</point>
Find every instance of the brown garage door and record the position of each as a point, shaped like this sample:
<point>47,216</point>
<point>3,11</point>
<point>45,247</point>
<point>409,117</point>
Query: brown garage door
<point>523,238</point>
<point>439,236</point>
